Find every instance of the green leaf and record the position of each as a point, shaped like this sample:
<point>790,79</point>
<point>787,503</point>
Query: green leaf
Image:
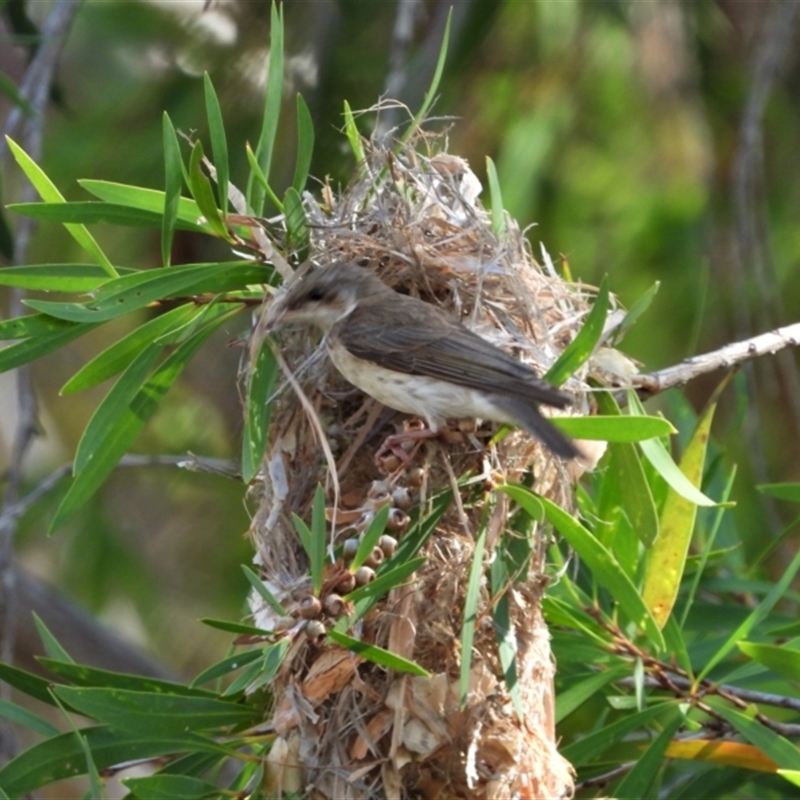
<point>596,743</point>
<point>263,591</point>
<point>779,658</point>
<point>257,175</point>
<point>172,184</point>
<point>296,226</point>
<point>666,560</point>
<point>498,211</point>
<point>48,192</point>
<point>470,615</point>
<point>10,90</point>
<point>351,130</point>
<point>525,499</point>
<point>583,345</point>
<point>305,145</point>
<point>636,784</point>
<point>107,415</point>
<point>272,107</point>
<point>635,493</point>
<point>234,627</point>
<point>605,569</point>
<point>50,643</point>
<point>82,675</point>
<point>263,673</point>
<point>119,355</point>
<point>204,194</point>
<point>636,310</point>
<point>365,597</point>
<point>263,375</point>
<point>314,539</point>
<point>614,428</point>
<point>25,682</point>
<point>170,787</point>
<point>31,325</point>
<point>227,665</point>
<point>791,775</point>
<point>756,617</point>
<point>162,715</point>
<point>91,212</point>
<point>62,757</point>
<point>132,292</point>
<point>662,461</point>
<point>21,716</point>
<point>57,277</point>
<point>430,95</point>
<point>219,141</point>
<point>40,344</point>
<point>123,418</point>
<point>781,750</point>
<point>95,784</point>
<point>377,655</point>
<point>783,491</point>
<point>151,200</point>
<point>370,538</point>
<point>581,690</point>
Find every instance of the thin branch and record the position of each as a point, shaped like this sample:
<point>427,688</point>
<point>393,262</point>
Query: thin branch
<point>726,357</point>
<point>35,90</point>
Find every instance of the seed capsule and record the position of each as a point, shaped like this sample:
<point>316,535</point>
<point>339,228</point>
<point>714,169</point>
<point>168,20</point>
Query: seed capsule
<point>315,631</point>
<point>364,575</point>
<point>334,605</point>
<point>309,607</point>
<point>388,544</point>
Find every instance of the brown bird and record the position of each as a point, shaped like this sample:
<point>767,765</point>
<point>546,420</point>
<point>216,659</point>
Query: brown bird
<point>414,357</point>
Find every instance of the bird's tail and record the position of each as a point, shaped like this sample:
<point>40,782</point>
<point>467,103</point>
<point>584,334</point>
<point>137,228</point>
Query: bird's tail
<point>527,416</point>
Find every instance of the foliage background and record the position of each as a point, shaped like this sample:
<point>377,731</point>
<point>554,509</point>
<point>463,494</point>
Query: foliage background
<point>617,128</point>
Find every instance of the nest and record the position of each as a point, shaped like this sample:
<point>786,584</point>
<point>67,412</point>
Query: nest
<point>348,728</point>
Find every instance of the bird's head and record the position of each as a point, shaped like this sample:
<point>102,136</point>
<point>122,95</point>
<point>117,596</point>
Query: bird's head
<point>323,297</point>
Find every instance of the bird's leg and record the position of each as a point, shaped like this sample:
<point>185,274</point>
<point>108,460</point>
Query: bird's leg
<point>394,444</point>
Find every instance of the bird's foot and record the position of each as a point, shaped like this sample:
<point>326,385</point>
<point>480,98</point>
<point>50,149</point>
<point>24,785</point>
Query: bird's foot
<point>393,446</point>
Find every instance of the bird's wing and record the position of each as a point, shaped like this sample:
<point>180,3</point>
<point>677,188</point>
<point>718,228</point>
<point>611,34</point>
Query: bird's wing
<point>416,338</point>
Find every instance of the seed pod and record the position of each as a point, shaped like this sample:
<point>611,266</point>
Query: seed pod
<point>364,575</point>
<point>389,463</point>
<point>388,544</point>
<point>334,605</point>
<point>309,607</point>
<point>398,520</point>
<point>374,558</point>
<point>315,631</point>
<point>347,583</point>
<point>349,549</point>
<point>415,476</point>
<point>401,497</point>
<point>283,623</point>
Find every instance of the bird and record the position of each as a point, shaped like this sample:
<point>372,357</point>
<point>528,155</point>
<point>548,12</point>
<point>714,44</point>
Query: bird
<point>415,357</point>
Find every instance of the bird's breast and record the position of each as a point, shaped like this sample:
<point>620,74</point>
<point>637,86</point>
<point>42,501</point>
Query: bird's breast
<point>432,399</point>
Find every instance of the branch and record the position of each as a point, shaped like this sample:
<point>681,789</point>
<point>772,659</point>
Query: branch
<point>726,357</point>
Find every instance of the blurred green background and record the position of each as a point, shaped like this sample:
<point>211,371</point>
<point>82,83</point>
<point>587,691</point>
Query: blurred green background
<point>616,128</point>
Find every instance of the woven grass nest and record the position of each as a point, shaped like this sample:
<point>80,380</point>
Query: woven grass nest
<point>347,727</point>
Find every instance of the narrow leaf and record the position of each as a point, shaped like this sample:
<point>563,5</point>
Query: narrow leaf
<point>352,134</point>
<point>226,666</point>
<point>272,107</point>
<point>666,559</point>
<point>219,141</point>
<point>498,211</point>
<point>171,787</point>
<point>37,346</point>
<point>119,355</point>
<point>76,278</point>
<point>305,145</point>
<point>160,714</point>
<point>48,192</point>
<point>203,193</point>
<point>636,310</point>
<point>268,597</point>
<point>779,658</point>
<point>21,716</point>
<point>377,655</point>
<point>614,428</point>
<point>370,538</point>
<point>580,691</point>
<point>584,344</point>
<point>296,225</point>
<point>172,184</point>
<point>261,179</point>
<point>783,491</point>
<point>259,410</point>
<point>470,616</point>
<point>605,569</point>
<point>635,493</point>
<point>90,212</point>
<point>51,645</point>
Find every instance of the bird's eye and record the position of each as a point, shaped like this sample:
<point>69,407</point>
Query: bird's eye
<point>317,293</point>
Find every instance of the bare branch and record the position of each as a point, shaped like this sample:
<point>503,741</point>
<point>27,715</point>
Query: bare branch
<point>726,357</point>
